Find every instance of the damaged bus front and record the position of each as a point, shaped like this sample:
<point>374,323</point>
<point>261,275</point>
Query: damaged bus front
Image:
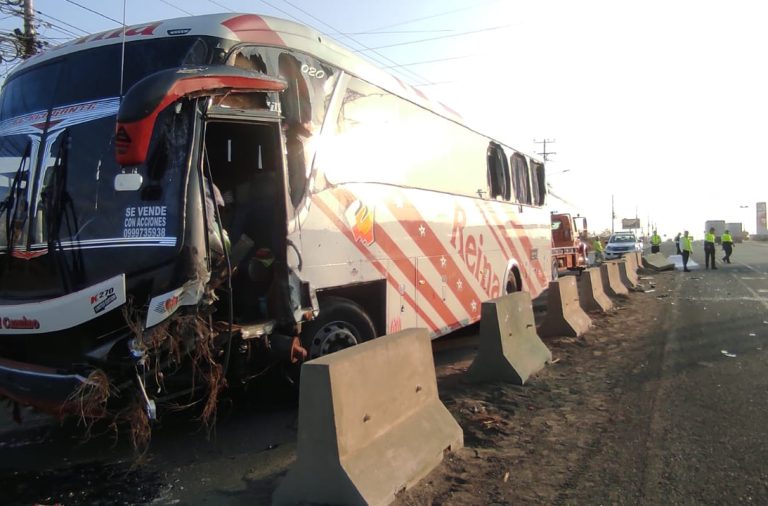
<point>128,275</point>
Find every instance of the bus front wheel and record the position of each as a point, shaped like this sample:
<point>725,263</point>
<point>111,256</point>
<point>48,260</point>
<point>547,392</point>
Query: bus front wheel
<point>340,324</point>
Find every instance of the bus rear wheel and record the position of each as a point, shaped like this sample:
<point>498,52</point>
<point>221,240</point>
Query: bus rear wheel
<point>513,281</point>
<point>340,324</point>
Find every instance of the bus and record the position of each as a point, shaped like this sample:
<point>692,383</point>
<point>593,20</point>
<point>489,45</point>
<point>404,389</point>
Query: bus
<point>187,202</point>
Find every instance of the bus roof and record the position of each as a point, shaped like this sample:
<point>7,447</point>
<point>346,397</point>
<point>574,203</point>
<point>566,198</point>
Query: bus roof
<point>256,29</point>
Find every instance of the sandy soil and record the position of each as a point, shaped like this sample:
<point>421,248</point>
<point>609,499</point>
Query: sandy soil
<point>563,437</point>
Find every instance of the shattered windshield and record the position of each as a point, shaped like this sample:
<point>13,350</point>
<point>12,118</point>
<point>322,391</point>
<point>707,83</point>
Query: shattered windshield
<point>57,162</point>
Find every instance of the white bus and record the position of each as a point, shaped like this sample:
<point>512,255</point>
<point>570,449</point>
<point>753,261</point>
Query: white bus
<point>239,190</point>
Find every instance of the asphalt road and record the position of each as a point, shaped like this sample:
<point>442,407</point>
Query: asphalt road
<point>708,441</point>
<point>699,437</point>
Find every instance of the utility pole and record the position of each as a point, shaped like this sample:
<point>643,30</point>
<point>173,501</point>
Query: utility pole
<point>544,153</point>
<point>613,215</point>
<point>30,42</point>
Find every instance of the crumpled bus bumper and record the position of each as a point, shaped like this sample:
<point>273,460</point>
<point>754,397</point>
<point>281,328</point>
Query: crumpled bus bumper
<point>41,387</point>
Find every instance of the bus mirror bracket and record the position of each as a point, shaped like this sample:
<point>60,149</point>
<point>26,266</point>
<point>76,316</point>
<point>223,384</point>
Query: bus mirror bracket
<point>145,100</point>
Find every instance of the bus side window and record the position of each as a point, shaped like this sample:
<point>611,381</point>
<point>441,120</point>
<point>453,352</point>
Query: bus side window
<point>296,106</point>
<point>498,173</point>
<point>522,179</point>
<point>538,183</point>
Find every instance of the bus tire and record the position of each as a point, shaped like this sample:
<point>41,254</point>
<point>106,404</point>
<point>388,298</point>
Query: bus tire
<point>514,283</point>
<point>340,324</point>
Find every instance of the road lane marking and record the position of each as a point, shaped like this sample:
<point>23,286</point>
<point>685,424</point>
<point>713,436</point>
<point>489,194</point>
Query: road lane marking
<point>751,268</point>
<point>762,300</point>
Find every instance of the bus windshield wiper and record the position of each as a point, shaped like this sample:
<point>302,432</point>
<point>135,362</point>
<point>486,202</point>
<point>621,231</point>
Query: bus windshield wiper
<point>10,205</point>
<point>58,207</point>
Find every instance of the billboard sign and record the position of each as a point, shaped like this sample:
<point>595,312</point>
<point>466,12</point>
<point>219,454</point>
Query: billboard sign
<point>761,224</point>
<point>627,223</point>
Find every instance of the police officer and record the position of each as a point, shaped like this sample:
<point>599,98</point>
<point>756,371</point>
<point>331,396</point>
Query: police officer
<point>686,243</point>
<point>598,251</point>
<point>655,242</point>
<point>727,242</point>
<point>709,248</point>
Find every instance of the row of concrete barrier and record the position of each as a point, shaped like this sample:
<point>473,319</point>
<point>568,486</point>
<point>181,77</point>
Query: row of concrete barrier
<point>371,423</point>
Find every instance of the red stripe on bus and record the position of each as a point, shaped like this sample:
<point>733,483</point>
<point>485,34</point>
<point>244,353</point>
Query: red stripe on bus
<point>525,242</point>
<point>412,221</point>
<point>252,28</point>
<point>528,245</point>
<point>512,253</point>
<point>393,252</point>
<point>513,250</point>
<point>371,258</point>
<point>426,290</point>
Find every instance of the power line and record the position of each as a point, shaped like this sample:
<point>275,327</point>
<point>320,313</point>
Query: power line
<point>471,32</point>
<point>94,12</point>
<point>60,30</point>
<point>166,2</point>
<point>392,32</point>
<point>427,61</point>
<point>60,21</point>
<point>326,24</point>
<point>432,16</point>
<point>438,83</point>
<point>214,2</point>
<point>422,78</point>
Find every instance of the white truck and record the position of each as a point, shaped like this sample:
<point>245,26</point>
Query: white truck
<point>737,231</point>
<point>719,226</point>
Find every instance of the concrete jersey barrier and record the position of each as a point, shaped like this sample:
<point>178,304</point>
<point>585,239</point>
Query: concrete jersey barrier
<point>632,266</point>
<point>510,349</point>
<point>592,297</point>
<point>370,423</point>
<point>625,274</point>
<point>639,260</point>
<point>564,314</point>
<point>612,284</point>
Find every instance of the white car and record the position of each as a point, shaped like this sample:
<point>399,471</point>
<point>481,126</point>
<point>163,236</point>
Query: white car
<point>620,243</point>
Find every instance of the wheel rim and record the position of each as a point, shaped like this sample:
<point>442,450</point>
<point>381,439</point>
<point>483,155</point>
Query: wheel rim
<point>511,282</point>
<point>333,337</point>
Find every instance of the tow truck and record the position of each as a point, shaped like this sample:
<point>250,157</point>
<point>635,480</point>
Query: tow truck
<point>569,242</point>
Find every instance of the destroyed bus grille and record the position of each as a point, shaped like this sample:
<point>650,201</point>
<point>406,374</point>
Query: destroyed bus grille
<point>65,348</point>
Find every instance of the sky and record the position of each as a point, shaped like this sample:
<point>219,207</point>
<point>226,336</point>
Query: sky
<point>658,106</point>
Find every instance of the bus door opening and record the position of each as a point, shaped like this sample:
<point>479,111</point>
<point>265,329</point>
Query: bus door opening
<point>248,189</point>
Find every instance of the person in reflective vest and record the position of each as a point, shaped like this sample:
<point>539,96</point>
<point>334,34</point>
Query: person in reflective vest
<point>687,246</point>
<point>727,242</point>
<point>709,248</point>
<point>598,250</point>
<point>655,242</point>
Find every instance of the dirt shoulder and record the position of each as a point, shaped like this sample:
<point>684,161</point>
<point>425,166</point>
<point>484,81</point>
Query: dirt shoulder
<point>577,433</point>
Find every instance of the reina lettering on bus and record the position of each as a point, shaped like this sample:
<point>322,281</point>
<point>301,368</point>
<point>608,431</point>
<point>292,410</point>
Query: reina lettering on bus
<point>144,30</point>
<point>470,249</point>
